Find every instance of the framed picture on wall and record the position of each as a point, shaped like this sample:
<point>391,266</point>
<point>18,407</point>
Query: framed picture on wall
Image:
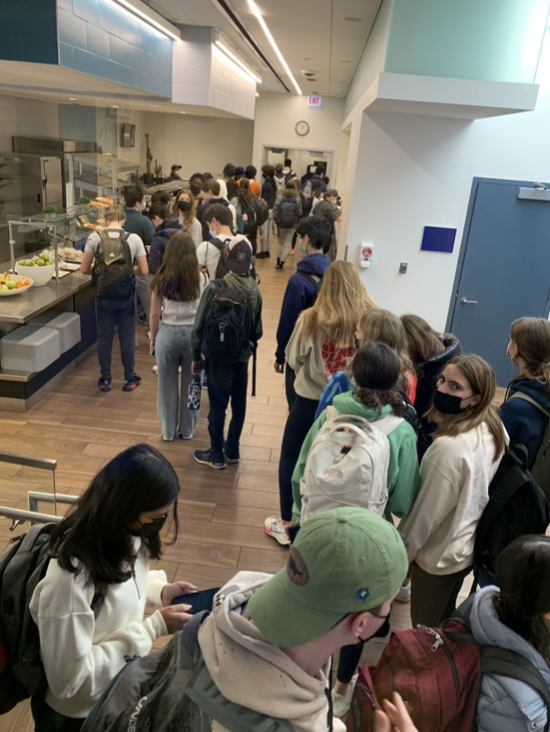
<point>128,135</point>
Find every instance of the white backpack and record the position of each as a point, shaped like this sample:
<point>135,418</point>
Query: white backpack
<point>347,464</point>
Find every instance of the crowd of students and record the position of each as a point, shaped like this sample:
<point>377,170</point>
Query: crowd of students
<point>437,439</point>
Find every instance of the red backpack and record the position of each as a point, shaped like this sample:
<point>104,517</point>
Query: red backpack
<point>438,674</point>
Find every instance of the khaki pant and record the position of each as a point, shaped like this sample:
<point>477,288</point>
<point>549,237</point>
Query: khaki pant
<point>433,597</point>
<point>284,243</point>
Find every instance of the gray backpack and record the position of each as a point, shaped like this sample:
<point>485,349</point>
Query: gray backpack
<point>171,690</point>
<point>541,467</point>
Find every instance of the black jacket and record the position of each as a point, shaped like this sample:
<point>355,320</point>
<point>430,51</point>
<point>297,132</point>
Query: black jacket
<point>269,191</point>
<point>163,234</point>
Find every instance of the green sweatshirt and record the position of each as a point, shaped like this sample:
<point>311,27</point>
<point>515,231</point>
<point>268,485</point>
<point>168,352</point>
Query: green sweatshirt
<point>403,473</point>
<point>245,284</point>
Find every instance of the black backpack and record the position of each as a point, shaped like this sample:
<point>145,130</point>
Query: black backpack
<point>287,213</point>
<point>410,414</point>
<point>171,690</point>
<point>113,264</point>
<point>23,564</point>
<point>517,507</point>
<point>248,210</point>
<point>540,469</point>
<point>221,268</point>
<point>262,210</point>
<point>316,281</point>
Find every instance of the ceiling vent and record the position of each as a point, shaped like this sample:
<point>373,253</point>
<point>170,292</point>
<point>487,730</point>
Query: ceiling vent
<point>308,74</point>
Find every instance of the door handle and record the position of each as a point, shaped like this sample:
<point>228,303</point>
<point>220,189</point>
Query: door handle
<point>464,301</point>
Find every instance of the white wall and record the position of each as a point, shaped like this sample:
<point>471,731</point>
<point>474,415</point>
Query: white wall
<point>413,171</point>
<point>276,118</point>
<point>26,118</point>
<point>198,144</point>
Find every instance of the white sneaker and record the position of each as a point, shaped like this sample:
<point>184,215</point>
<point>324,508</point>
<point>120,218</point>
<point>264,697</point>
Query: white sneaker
<point>273,527</point>
<point>341,704</point>
<point>404,594</point>
<point>155,369</point>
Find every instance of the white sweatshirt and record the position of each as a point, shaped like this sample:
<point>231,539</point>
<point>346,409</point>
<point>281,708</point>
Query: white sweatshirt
<point>81,655</point>
<point>254,673</point>
<point>455,476</point>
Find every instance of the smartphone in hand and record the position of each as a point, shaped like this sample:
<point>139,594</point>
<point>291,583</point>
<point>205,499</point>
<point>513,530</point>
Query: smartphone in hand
<point>199,601</point>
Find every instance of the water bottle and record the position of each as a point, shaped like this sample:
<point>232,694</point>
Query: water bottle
<point>195,393</point>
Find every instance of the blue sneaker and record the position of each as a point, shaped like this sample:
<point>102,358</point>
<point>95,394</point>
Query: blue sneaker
<point>206,457</point>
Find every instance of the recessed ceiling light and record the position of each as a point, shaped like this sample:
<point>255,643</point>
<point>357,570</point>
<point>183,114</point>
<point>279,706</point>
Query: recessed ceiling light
<point>306,58</point>
<point>72,99</point>
<point>115,106</point>
<point>257,94</point>
<point>183,112</point>
<point>354,20</point>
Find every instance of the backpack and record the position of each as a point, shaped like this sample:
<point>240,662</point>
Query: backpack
<point>516,507</point>
<point>221,268</point>
<point>438,674</point>
<point>410,416</point>
<point>171,690</point>
<point>541,467</point>
<point>261,209</point>
<point>247,208</point>
<point>23,564</point>
<point>347,464</point>
<point>287,213</point>
<point>113,264</point>
<point>316,281</point>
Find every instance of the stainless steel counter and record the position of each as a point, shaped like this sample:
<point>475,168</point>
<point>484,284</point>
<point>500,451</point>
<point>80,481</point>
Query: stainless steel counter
<point>21,308</point>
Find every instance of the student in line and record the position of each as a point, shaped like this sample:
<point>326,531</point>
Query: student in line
<point>301,291</point>
<point>218,219</point>
<point>287,213</point>
<point>134,221</point>
<point>115,305</point>
<point>381,326</point>
<point>165,228</point>
<point>529,349</point>
<point>184,209</point>
<point>103,548</point>
<point>245,208</point>
<point>322,343</point>
<point>269,194</point>
<point>176,292</point>
<point>250,172</point>
<point>455,475</point>
<point>429,352</point>
<point>213,196</point>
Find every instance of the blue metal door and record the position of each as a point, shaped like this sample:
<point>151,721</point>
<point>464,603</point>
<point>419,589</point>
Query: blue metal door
<point>503,271</point>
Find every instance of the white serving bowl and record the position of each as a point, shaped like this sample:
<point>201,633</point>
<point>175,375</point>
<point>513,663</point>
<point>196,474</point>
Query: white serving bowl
<point>7,293</point>
<point>39,275</point>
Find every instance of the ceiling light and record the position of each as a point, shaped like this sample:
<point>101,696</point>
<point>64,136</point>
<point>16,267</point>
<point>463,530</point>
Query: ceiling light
<point>183,112</point>
<point>354,20</point>
<point>123,6</point>
<point>257,94</point>
<point>232,65</point>
<point>115,106</point>
<point>227,52</point>
<point>275,47</point>
<point>72,99</point>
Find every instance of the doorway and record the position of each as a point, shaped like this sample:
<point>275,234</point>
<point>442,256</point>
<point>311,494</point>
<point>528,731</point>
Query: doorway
<point>302,160</point>
<point>503,271</point>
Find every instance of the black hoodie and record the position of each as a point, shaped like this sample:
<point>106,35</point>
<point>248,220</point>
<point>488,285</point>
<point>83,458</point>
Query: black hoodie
<point>163,233</point>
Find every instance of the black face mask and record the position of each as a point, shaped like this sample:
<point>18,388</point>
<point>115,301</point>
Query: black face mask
<point>184,206</point>
<point>447,403</point>
<point>195,190</point>
<point>153,528</point>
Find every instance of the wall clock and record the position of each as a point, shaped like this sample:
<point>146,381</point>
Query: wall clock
<point>302,128</point>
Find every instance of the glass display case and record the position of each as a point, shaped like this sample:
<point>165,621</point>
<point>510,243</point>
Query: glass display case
<point>92,174</point>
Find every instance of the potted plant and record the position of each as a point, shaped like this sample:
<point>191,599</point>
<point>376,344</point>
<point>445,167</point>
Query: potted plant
<point>158,173</point>
<point>84,200</point>
<point>49,212</point>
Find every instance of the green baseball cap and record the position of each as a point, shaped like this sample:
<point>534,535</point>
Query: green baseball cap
<point>342,561</point>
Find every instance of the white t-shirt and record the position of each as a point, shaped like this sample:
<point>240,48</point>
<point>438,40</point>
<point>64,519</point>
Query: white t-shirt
<point>137,248</point>
<point>208,255</point>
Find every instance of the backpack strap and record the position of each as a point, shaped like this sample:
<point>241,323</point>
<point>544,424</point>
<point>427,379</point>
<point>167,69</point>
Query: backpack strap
<point>388,424</point>
<point>512,665</point>
<point>530,400</point>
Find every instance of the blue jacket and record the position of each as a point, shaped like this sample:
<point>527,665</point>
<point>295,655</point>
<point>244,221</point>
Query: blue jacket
<point>163,233</point>
<point>298,296</point>
<point>339,384</point>
<point>505,705</point>
<point>524,423</point>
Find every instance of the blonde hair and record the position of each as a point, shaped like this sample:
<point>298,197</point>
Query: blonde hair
<point>114,212</point>
<point>532,338</point>
<point>381,326</point>
<point>341,301</point>
<point>481,378</point>
<point>188,216</point>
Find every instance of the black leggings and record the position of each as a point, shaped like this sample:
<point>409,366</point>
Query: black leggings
<point>46,720</point>
<point>298,423</point>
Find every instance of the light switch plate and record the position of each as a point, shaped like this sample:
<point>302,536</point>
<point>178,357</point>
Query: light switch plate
<point>403,267</point>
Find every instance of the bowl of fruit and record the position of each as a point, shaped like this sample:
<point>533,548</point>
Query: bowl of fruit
<point>13,284</point>
<point>39,269</point>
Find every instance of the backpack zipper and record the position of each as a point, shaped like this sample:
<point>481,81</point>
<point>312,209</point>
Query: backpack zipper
<point>439,642</point>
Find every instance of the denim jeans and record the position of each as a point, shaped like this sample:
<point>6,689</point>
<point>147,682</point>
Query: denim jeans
<point>266,233</point>
<point>142,290</point>
<point>226,381</point>
<point>122,313</point>
<point>172,349</point>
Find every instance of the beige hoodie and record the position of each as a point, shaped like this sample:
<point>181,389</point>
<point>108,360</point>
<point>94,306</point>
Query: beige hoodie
<point>315,361</point>
<point>253,673</point>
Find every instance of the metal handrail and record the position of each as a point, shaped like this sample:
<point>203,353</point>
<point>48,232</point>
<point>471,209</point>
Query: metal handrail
<point>19,515</point>
<point>29,461</point>
<point>35,497</point>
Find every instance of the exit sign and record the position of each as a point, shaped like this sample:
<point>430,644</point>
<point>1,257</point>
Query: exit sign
<point>314,101</point>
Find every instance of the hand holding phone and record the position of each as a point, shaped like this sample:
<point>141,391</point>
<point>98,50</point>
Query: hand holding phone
<point>197,601</point>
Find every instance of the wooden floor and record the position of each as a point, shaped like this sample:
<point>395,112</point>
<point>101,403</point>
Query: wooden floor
<point>221,512</point>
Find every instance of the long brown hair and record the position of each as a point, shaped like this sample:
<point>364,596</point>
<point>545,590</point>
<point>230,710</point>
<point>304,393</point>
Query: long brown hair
<point>178,277</point>
<point>376,370</point>
<point>381,326</point>
<point>481,378</point>
<point>423,341</point>
<point>188,216</point>
<point>341,301</point>
<point>532,337</point>
<point>244,189</point>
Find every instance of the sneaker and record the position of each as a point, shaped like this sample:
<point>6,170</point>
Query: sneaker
<point>131,384</point>
<point>404,594</point>
<point>292,251</point>
<point>273,527</point>
<point>104,385</point>
<point>230,460</point>
<point>206,457</point>
<point>142,319</point>
<point>261,255</point>
<point>267,254</point>
<point>168,439</point>
<point>187,437</point>
<point>155,369</point>
<point>280,267</point>
<point>341,704</point>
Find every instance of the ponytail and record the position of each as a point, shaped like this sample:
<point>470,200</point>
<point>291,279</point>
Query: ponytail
<point>377,399</point>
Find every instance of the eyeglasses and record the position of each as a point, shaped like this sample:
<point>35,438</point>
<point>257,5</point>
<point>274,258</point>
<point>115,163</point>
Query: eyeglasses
<point>380,617</point>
